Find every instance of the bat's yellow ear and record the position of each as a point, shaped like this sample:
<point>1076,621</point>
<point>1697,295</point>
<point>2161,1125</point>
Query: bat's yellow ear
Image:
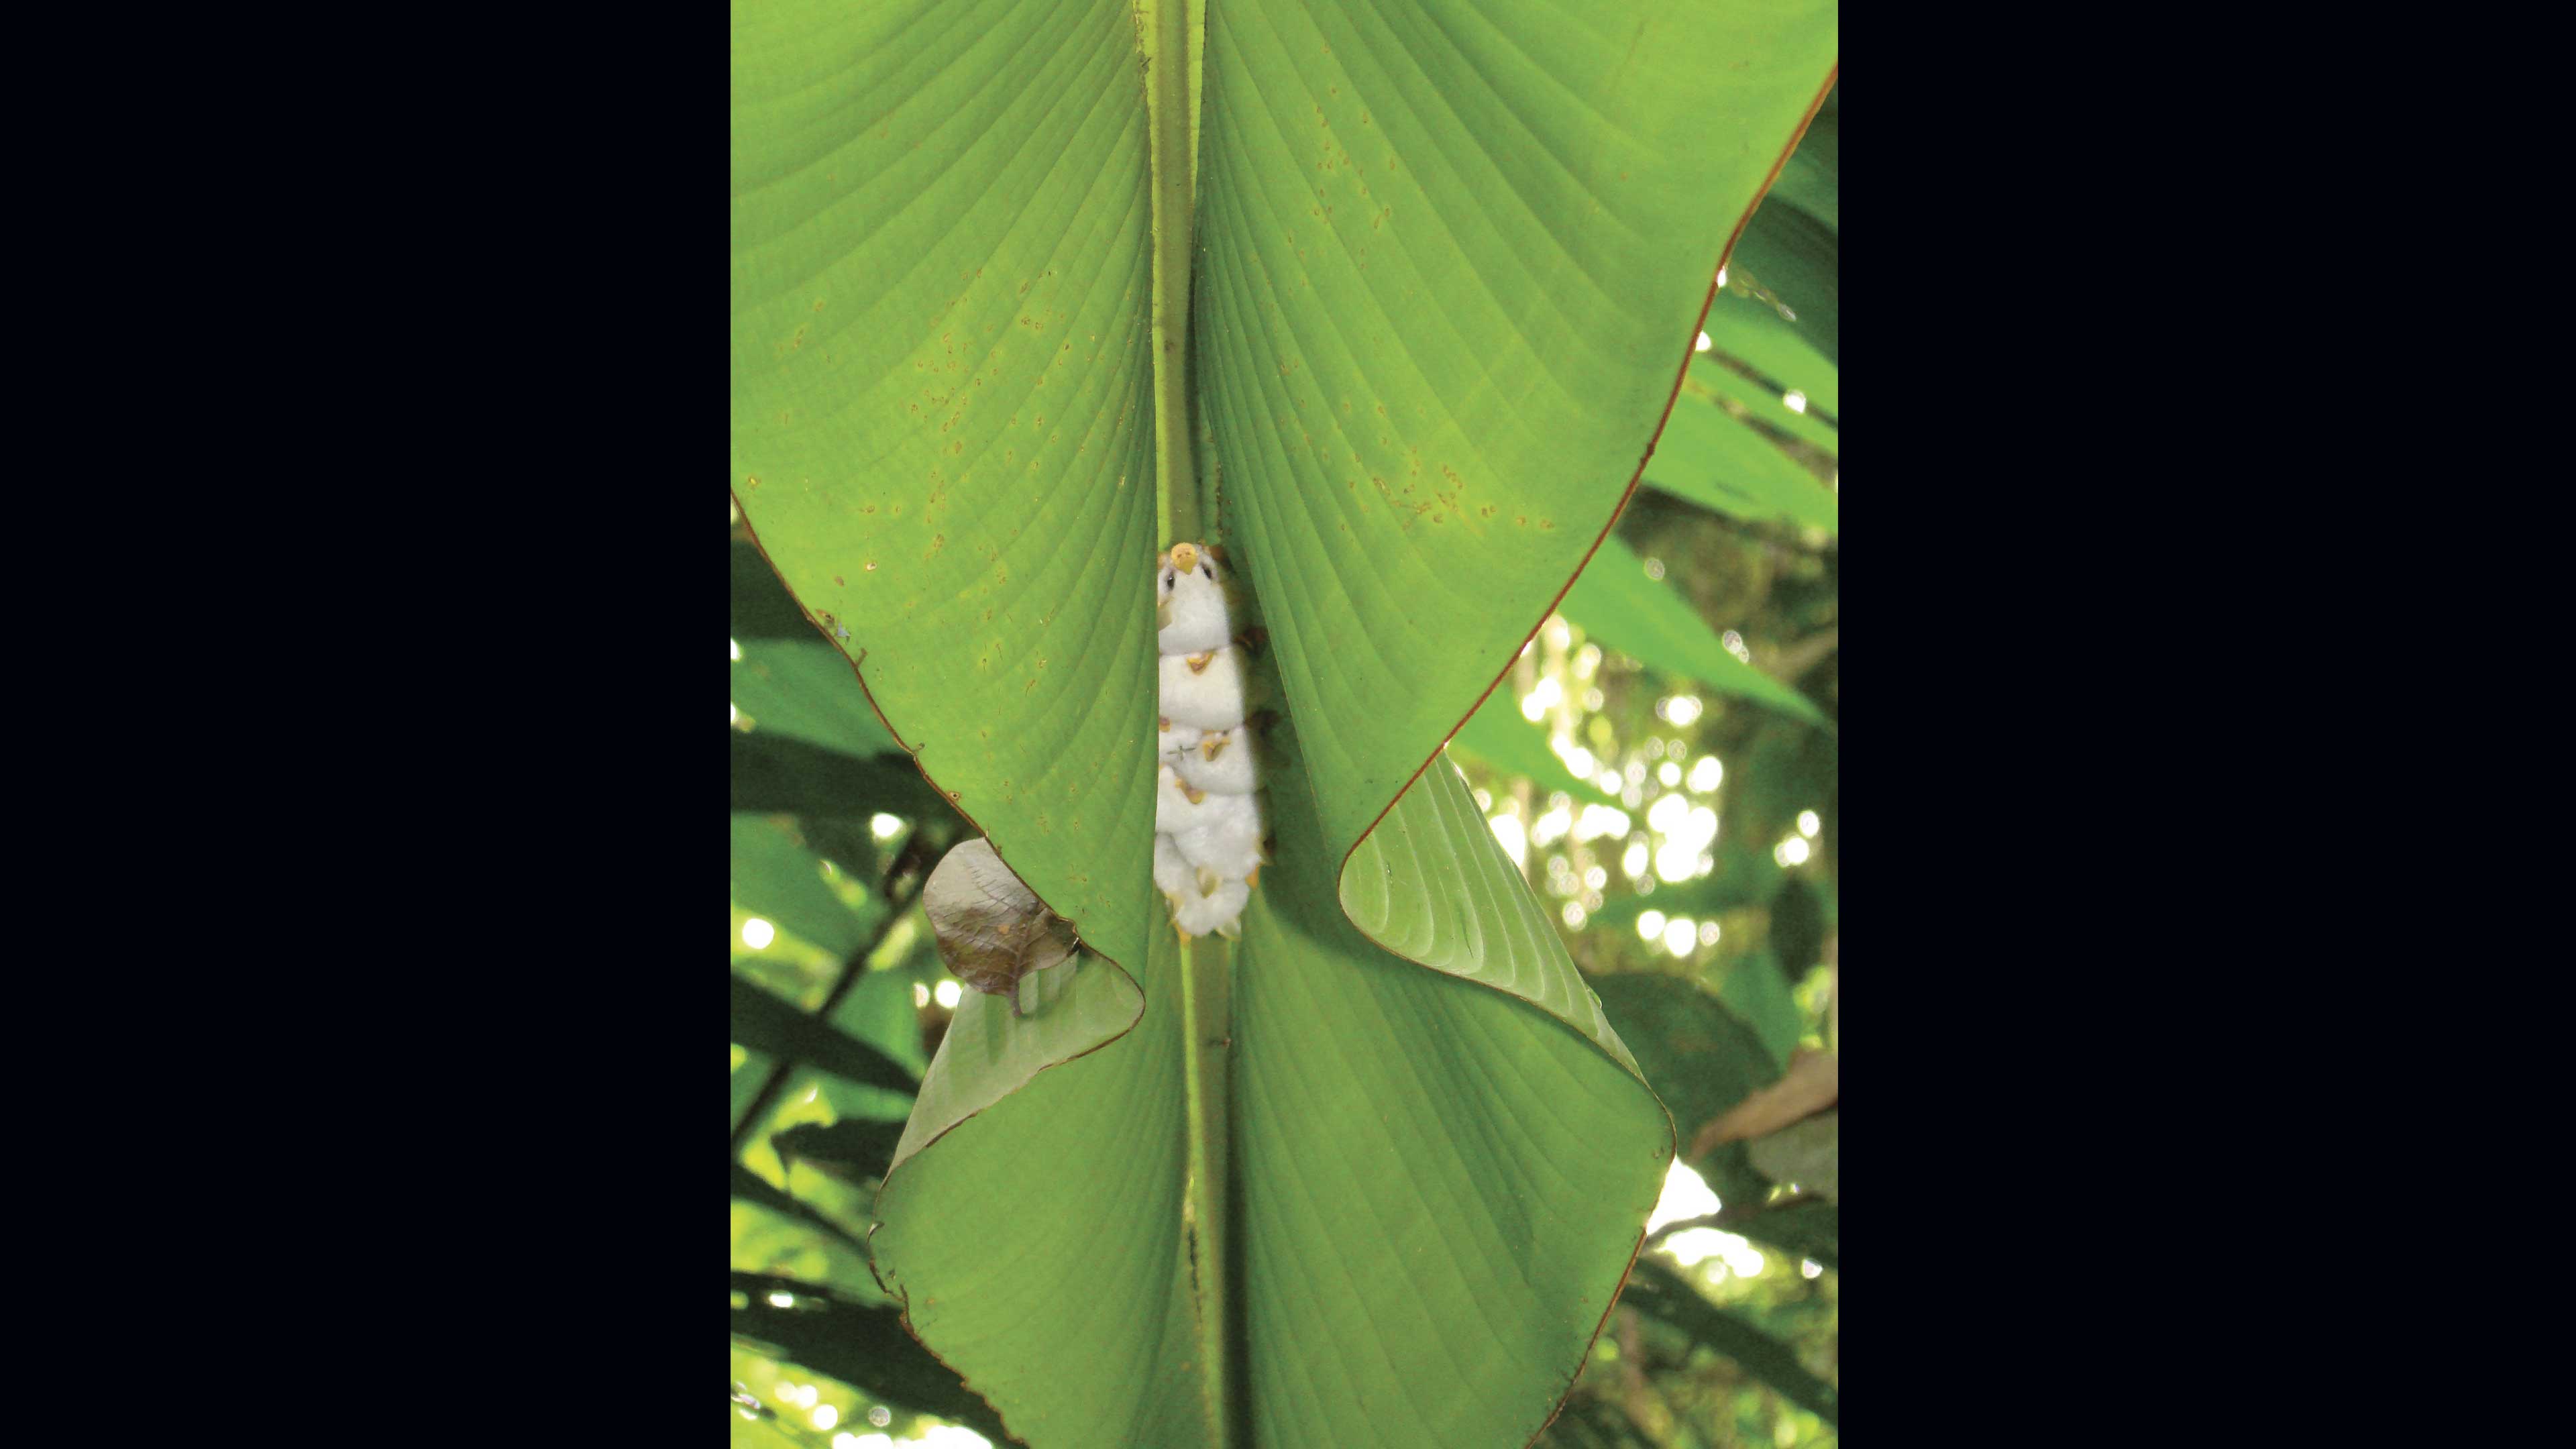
<point>1185,556</point>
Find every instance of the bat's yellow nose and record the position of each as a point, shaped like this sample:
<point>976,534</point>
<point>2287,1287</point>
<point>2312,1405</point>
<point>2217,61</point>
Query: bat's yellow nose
<point>1185,556</point>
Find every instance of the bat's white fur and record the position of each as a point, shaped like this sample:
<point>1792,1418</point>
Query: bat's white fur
<point>1206,696</point>
<point>1173,873</point>
<point>1224,836</point>
<point>1219,913</point>
<point>1174,810</point>
<point>1190,611</point>
<point>1225,763</point>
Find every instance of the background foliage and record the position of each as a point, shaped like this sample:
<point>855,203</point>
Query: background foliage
<point>1661,765</point>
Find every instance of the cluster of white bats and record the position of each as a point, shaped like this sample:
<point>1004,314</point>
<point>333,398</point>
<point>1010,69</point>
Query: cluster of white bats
<point>1207,806</point>
<point>993,930</point>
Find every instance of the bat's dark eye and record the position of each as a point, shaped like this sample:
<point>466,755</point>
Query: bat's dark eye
<point>1167,586</point>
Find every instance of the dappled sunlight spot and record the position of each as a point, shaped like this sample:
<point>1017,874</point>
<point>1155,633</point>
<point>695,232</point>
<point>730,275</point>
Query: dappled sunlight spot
<point>1507,829</point>
<point>1560,635</point>
<point>1675,861</point>
<point>1669,774</point>
<point>1654,568</point>
<point>1794,400</point>
<point>951,1436</point>
<point>920,995</point>
<point>757,933</point>
<point>1586,660</point>
<point>1705,773</point>
<point>1553,825</point>
<point>825,1416</point>
<point>1681,935</point>
<point>1576,757</point>
<point>1694,1246</point>
<point>1735,645</point>
<point>1632,861</point>
<point>1792,851</point>
<point>885,827</point>
<point>1709,931</point>
<point>1541,699</point>
<point>1650,924</point>
<point>1678,709</point>
<point>1703,344</point>
<point>1601,820</point>
<point>782,1300</point>
<point>1574,915</point>
<point>1809,824</point>
<point>949,994</point>
<point>737,649</point>
<point>1810,1268</point>
<point>1686,1196</point>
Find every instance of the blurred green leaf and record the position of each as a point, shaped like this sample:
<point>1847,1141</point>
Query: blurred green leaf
<point>1797,928</point>
<point>1708,458</point>
<point>1806,1154</point>
<point>765,1023</point>
<point>775,775</point>
<point>1623,609</point>
<point>1795,257</point>
<point>1659,1291</point>
<point>862,1345</point>
<point>1497,735</point>
<point>1766,404</point>
<point>1812,180</point>
<point>748,1074</point>
<point>853,1150</point>
<point>1700,1058</point>
<point>1752,331</point>
<point>752,1188</point>
<point>803,689</point>
<point>1809,1227</point>
<point>762,607</point>
<point>1755,991</point>
<point>776,877</point>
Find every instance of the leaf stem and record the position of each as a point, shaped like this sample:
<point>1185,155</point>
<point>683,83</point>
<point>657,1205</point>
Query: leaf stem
<point>1171,108</point>
<point>1206,1011</point>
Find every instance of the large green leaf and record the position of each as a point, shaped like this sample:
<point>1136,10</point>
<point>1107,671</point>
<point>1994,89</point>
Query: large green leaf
<point>1447,266</point>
